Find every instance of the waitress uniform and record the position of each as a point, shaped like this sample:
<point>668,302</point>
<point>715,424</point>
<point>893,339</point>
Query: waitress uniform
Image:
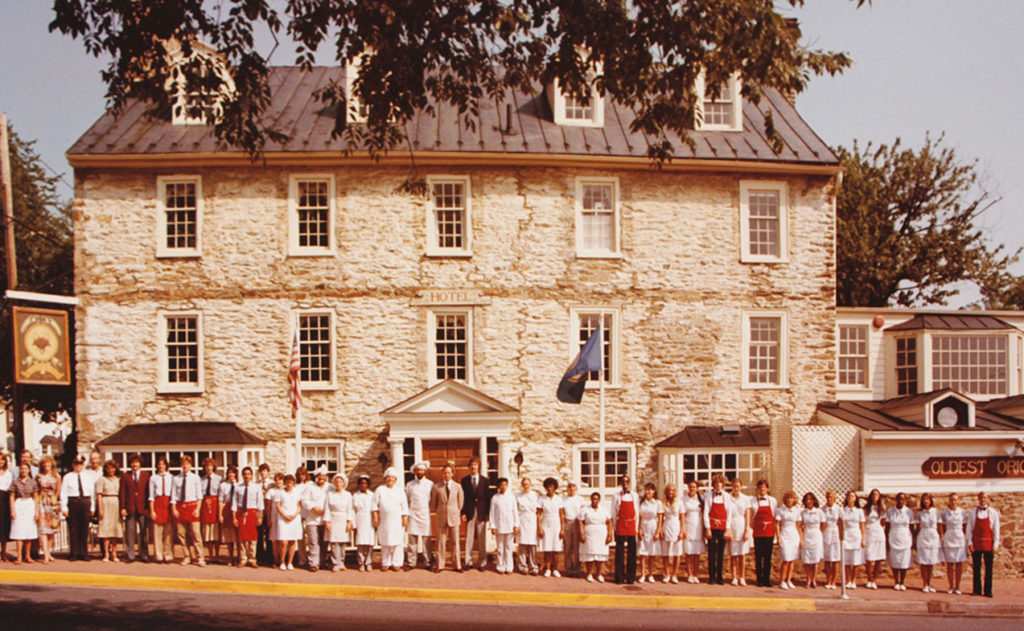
<point>551,523</point>
<point>813,548</point>
<point>595,529</point>
<point>954,542</point>
<point>226,497</point>
<point>900,538</point>
<point>694,525</point>
<point>649,511</point>
<point>366,537</point>
<point>832,552</point>
<point>853,552</point>
<point>789,536</point>
<point>740,544</point>
<point>929,544</point>
<point>874,536</point>
<point>671,526</point>
<point>763,525</point>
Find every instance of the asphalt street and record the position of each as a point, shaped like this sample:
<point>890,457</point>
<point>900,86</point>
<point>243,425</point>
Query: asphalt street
<point>94,609</point>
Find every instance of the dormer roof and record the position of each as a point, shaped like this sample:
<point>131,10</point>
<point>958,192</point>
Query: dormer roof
<point>952,322</point>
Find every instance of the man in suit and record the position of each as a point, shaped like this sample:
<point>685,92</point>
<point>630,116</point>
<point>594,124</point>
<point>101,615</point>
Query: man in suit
<point>476,510</point>
<point>134,509</point>
<point>446,502</point>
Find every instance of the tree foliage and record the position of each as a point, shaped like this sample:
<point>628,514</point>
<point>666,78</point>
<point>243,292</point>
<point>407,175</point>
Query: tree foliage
<point>644,54</point>
<point>907,226</point>
<point>45,258</point>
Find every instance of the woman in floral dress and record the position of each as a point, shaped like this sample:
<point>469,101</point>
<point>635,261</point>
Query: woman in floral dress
<point>49,506</point>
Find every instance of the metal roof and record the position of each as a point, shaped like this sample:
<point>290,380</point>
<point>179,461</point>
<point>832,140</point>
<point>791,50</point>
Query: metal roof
<point>869,415</point>
<point>203,433</point>
<point>718,436</point>
<point>295,111</point>
<point>951,322</point>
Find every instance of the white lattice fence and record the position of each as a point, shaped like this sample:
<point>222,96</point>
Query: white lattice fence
<point>825,457</point>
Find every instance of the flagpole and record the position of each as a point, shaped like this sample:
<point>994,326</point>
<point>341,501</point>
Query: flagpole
<point>600,440</point>
<point>298,436</point>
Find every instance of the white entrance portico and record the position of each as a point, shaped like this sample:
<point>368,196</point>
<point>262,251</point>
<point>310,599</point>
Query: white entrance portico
<point>451,418</point>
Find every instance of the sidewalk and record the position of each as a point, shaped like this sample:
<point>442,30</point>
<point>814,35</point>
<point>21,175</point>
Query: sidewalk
<point>478,587</point>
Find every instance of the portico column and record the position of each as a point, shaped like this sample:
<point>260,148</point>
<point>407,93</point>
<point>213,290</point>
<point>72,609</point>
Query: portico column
<point>504,456</point>
<point>397,455</point>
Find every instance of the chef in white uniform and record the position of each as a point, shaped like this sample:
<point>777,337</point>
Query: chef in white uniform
<point>504,520</point>
<point>362,520</point>
<point>391,517</point>
<point>418,492</point>
<point>528,500</point>
<point>339,520</point>
<point>314,505</point>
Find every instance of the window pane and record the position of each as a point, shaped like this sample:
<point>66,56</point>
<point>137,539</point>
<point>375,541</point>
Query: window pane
<point>451,346</point>
<point>853,355</point>
<point>598,217</point>
<point>763,217</point>
<point>449,214</point>
<point>315,348</point>
<point>764,351</point>
<point>972,364</point>
<point>313,209</point>
<point>181,215</point>
<point>182,347</point>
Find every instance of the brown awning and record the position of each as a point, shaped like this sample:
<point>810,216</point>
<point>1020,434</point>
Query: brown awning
<point>156,434</point>
<point>950,322</point>
<point>719,436</point>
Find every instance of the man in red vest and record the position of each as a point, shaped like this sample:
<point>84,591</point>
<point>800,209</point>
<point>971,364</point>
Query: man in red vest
<point>983,541</point>
<point>625,509</point>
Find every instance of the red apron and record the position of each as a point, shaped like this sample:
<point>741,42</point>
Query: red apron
<point>982,538</point>
<point>764,520</point>
<point>625,521</point>
<point>248,524</point>
<point>188,512</point>
<point>208,513</point>
<point>162,509</point>
<point>718,515</point>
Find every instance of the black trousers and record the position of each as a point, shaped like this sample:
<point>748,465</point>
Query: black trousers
<point>264,551</point>
<point>763,560</point>
<point>625,558</point>
<point>716,555</point>
<point>78,527</point>
<point>977,557</point>
<point>136,536</point>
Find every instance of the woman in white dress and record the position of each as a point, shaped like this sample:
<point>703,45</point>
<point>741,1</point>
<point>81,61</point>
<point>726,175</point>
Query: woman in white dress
<point>391,517</point>
<point>898,521</point>
<point>595,528</point>
<point>693,530</point>
<point>810,525</point>
<point>551,513</point>
<point>742,535</point>
<point>270,501</point>
<point>874,536</point>
<point>302,480</point>
<point>362,510</point>
<point>953,528</point>
<point>671,529</point>
<point>289,524</point>
<point>786,518</point>
<point>927,540</point>
<point>650,532</point>
<point>832,552</point>
<point>527,501</point>
<point>853,537</point>
<point>338,519</point>
<point>24,503</point>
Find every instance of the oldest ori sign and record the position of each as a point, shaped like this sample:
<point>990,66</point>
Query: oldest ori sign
<point>957,468</point>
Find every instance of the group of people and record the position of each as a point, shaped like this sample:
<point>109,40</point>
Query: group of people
<point>311,521</point>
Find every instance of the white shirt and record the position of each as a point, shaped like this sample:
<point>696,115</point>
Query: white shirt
<point>89,476</point>
<point>573,506</point>
<point>211,485</point>
<point>193,488</point>
<point>5,480</point>
<point>314,496</point>
<point>721,498</point>
<point>226,493</point>
<point>504,516</point>
<point>617,498</point>
<point>69,488</point>
<point>253,500</point>
<point>418,495</point>
<point>160,484</point>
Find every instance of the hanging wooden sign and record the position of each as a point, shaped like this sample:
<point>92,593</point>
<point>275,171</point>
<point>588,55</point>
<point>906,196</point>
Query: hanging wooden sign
<point>959,468</point>
<point>41,348</point>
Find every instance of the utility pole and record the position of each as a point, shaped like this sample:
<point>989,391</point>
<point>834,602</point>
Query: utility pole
<point>17,413</point>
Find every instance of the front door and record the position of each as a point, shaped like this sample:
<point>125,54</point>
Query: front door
<point>456,452</point>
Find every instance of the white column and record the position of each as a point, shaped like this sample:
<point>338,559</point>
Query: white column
<point>483,456</point>
<point>504,457</point>
<point>398,455</point>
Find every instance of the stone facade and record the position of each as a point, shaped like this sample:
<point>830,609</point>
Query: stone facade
<point>679,289</point>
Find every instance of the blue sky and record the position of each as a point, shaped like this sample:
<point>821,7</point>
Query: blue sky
<point>920,65</point>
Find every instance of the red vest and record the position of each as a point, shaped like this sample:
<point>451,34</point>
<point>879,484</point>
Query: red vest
<point>982,538</point>
<point>625,521</point>
<point>764,520</point>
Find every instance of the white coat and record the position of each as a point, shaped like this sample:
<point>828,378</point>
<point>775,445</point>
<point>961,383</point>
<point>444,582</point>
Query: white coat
<point>362,509</point>
<point>339,513</point>
<point>418,495</point>
<point>391,504</point>
<point>504,516</point>
<point>527,502</point>
<point>313,496</point>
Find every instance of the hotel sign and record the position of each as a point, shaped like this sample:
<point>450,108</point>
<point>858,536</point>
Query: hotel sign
<point>449,297</point>
<point>958,468</point>
<point>41,349</point>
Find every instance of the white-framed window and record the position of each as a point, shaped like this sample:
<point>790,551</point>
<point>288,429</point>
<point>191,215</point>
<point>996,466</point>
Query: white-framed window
<point>681,466</point>
<point>180,216</point>
<point>584,320</point>
<point>316,349</point>
<point>311,215</point>
<point>329,453</point>
<point>619,460</point>
<point>180,352</point>
<point>223,456</point>
<point>597,218</point>
<point>906,365</point>
<point>853,355</point>
<point>763,222</point>
<point>722,111</point>
<point>574,112</point>
<point>449,227</point>
<point>450,345</point>
<point>972,364</point>
<point>765,350</point>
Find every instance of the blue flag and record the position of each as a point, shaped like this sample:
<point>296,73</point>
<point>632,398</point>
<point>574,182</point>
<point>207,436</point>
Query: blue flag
<point>574,381</point>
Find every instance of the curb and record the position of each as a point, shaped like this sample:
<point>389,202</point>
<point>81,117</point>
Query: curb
<point>926,607</point>
<point>261,588</point>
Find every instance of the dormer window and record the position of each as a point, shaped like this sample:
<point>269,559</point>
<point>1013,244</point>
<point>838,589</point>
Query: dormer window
<point>190,106</point>
<point>356,110</point>
<point>975,364</point>
<point>906,365</point>
<point>719,109</point>
<point>575,112</point>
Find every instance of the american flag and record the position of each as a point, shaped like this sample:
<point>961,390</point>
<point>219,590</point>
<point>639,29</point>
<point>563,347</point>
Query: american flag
<point>294,368</point>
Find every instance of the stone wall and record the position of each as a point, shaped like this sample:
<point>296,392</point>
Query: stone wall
<point>679,289</point>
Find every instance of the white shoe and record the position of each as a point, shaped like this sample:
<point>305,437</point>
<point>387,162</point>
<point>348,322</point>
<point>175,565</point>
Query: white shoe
<point>735,582</point>
<point>291,567</point>
<point>675,580</point>
<point>949,592</point>
<point>600,578</point>
<point>283,567</point>
<point>590,578</point>
<point>743,582</point>
<point>666,579</point>
<point>791,585</point>
<point>555,574</point>
<point>784,585</point>
<point>853,586</point>
<point>957,591</point>
<point>547,573</point>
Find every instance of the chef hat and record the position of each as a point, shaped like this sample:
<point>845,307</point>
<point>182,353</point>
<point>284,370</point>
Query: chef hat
<point>321,470</point>
<point>391,472</point>
<point>342,476</point>
<point>572,483</point>
<point>362,476</point>
<point>424,464</point>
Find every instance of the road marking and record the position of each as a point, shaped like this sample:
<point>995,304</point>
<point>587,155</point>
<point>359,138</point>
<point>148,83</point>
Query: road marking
<point>618,601</point>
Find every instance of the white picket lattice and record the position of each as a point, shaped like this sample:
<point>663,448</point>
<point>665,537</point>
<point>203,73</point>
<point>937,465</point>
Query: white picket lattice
<point>825,457</point>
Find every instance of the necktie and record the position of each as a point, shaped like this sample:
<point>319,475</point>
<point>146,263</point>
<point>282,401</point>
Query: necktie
<point>184,483</point>
<point>136,477</point>
<point>232,496</point>
<point>245,498</point>
<point>447,491</point>
<point>81,491</point>
<point>209,479</point>
<point>163,484</point>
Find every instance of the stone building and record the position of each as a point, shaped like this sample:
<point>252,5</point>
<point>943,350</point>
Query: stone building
<point>437,325</point>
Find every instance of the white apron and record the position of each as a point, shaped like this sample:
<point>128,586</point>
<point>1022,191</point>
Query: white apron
<point>363,522</point>
<point>392,505</point>
<point>418,495</point>
<point>527,504</point>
